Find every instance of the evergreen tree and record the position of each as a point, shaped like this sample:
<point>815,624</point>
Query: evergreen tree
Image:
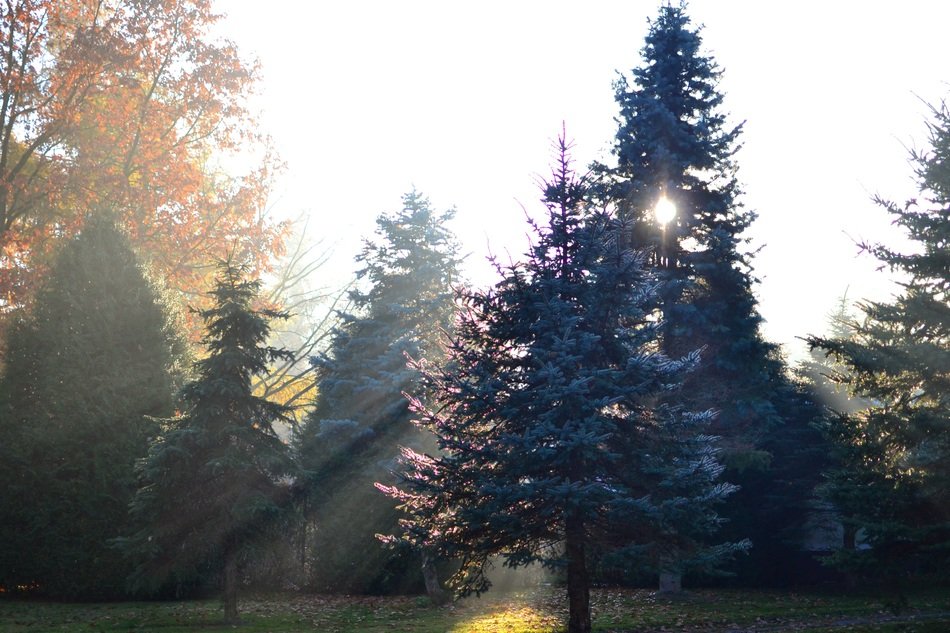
<point>893,482</point>
<point>217,478</point>
<point>402,303</point>
<point>96,358</point>
<point>544,413</point>
<point>673,147</point>
<point>673,142</point>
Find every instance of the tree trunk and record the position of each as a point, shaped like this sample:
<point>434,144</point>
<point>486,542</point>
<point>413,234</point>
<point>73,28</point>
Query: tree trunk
<point>303,576</point>
<point>578,580</point>
<point>230,582</point>
<point>430,575</point>
<point>671,582</point>
<point>850,538</point>
<point>850,543</point>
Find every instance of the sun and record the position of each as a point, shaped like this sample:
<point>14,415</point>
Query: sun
<point>664,211</point>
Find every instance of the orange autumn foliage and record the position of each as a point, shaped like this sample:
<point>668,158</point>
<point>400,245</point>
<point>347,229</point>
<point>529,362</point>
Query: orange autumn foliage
<point>127,105</point>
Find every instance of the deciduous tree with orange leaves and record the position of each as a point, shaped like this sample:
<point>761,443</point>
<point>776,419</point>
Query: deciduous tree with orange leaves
<point>128,105</point>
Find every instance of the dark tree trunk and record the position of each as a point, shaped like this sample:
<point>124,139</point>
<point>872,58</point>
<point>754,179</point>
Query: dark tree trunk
<point>671,582</point>
<point>230,582</point>
<point>578,580</point>
<point>304,523</point>
<point>430,575</point>
<point>850,538</point>
<point>850,543</point>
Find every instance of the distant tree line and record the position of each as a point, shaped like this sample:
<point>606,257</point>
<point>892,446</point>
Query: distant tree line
<point>609,408</point>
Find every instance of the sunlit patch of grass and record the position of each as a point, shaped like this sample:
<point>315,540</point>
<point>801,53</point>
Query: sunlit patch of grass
<point>511,620</point>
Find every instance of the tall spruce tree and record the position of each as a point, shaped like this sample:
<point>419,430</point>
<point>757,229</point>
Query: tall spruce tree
<point>402,304</point>
<point>674,144</point>
<point>893,482</point>
<point>218,477</point>
<point>97,357</point>
<point>546,419</point>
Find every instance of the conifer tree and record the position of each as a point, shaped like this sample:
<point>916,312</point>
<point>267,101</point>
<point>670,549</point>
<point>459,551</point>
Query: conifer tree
<point>402,304</point>
<point>217,478</point>
<point>674,144</point>
<point>545,418</point>
<point>893,483</point>
<point>96,357</point>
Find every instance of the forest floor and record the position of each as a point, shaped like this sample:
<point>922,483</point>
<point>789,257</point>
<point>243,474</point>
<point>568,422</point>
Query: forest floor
<point>532,611</point>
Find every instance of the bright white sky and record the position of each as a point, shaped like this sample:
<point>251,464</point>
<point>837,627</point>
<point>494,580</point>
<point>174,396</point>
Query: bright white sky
<point>366,98</point>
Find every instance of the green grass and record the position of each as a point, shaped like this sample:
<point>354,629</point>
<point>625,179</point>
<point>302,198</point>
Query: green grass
<point>537,611</point>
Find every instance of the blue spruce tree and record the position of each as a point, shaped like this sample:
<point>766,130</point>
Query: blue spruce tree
<point>546,418</point>
<point>673,143</point>
<point>675,153</point>
<point>401,305</point>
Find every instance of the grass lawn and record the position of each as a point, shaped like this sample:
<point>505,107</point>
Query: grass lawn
<point>536,611</point>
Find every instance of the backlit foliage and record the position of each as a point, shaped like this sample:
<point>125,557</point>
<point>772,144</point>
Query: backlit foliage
<point>893,482</point>
<point>125,104</point>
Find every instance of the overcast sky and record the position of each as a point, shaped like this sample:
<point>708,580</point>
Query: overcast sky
<point>365,99</point>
